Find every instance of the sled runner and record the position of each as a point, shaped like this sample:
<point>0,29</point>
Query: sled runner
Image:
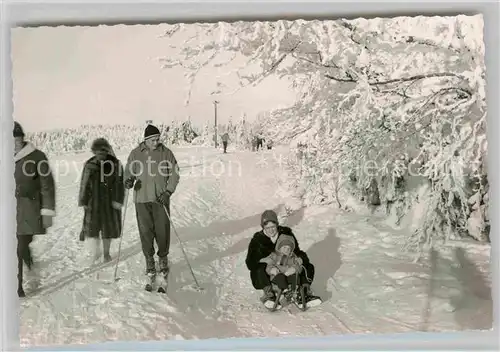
<point>298,298</point>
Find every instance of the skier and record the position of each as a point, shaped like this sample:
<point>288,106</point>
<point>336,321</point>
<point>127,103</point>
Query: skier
<point>262,245</point>
<point>35,198</point>
<point>283,267</point>
<point>101,195</point>
<point>225,140</point>
<point>260,142</point>
<point>153,172</point>
<point>254,143</point>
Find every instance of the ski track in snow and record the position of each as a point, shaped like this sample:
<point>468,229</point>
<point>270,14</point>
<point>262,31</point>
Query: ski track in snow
<point>367,284</point>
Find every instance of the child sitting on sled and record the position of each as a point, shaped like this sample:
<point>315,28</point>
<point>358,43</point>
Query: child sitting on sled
<point>283,266</point>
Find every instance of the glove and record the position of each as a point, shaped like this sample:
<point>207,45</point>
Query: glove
<point>92,167</point>
<point>164,198</point>
<point>46,221</point>
<point>129,183</point>
<point>274,271</point>
<point>299,261</point>
<point>290,271</point>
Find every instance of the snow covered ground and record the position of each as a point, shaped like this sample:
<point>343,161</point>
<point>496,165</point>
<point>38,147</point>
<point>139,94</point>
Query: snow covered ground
<point>368,284</point>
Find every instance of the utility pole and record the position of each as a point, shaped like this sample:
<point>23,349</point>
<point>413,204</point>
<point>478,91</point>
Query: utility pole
<point>215,112</point>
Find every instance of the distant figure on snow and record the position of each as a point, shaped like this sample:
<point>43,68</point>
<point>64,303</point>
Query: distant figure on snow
<point>225,140</point>
<point>262,245</point>
<point>269,144</point>
<point>153,172</point>
<point>254,143</point>
<point>102,196</point>
<point>260,142</point>
<point>35,198</point>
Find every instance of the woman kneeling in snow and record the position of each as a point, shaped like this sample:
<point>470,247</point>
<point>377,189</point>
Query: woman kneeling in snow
<point>262,251</point>
<point>101,195</point>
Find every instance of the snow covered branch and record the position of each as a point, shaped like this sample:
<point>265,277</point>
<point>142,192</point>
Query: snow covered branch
<point>386,91</point>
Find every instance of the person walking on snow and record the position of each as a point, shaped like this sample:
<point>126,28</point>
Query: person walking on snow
<point>283,266</point>
<point>225,140</point>
<point>101,195</point>
<point>262,244</point>
<point>35,200</point>
<point>152,171</point>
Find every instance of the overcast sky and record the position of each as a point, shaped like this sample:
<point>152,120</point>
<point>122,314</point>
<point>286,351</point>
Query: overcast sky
<point>68,76</point>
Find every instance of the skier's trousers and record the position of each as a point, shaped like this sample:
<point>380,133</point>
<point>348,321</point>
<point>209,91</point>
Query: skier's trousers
<point>261,279</point>
<point>153,224</point>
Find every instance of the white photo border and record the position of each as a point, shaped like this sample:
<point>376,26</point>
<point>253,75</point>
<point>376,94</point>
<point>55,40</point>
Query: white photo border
<point>57,13</point>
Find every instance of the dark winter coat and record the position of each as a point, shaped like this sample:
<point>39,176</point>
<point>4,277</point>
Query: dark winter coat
<point>101,194</point>
<point>261,247</point>
<point>225,137</point>
<point>35,190</point>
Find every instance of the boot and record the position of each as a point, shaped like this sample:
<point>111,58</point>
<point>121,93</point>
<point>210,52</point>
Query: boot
<point>32,276</point>
<point>163,264</point>
<point>150,273</point>
<point>20,290</point>
<point>268,294</point>
<point>150,265</point>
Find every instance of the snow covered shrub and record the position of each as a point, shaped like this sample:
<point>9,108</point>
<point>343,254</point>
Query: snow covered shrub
<point>121,137</point>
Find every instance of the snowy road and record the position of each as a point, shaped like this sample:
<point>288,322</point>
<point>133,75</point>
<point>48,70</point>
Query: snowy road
<point>368,285</point>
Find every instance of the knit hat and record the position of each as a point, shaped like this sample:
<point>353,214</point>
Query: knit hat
<point>285,240</point>
<point>267,216</point>
<point>151,131</point>
<point>18,130</point>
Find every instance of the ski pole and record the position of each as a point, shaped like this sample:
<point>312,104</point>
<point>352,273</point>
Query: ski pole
<point>182,248</point>
<point>121,233</point>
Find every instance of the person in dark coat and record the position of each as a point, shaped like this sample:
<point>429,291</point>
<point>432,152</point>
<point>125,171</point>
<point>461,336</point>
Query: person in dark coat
<point>225,141</point>
<point>101,195</point>
<point>35,199</point>
<point>261,245</point>
<point>152,171</point>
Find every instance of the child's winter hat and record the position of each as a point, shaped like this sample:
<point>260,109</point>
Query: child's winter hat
<point>285,240</point>
<point>99,144</point>
<point>151,131</point>
<point>267,216</point>
<point>18,130</point>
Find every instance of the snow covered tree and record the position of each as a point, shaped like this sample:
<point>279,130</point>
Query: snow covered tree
<point>403,97</point>
<point>188,131</point>
<point>242,133</point>
<point>206,136</point>
<point>231,129</point>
